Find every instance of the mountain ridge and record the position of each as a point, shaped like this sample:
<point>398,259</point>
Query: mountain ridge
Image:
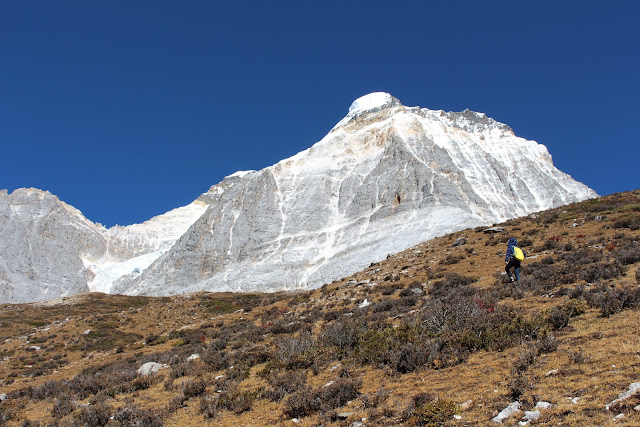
<point>433,334</point>
<point>384,178</point>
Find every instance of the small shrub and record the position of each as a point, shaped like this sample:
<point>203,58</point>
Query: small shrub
<point>193,388</point>
<point>301,403</point>
<point>435,413</point>
<point>606,271</point>
<point>374,400</point>
<point>577,356</point>
<point>175,403</point>
<point>340,392</point>
<point>525,359</point>
<point>409,357</point>
<point>95,415</point>
<point>344,336</point>
<point>295,351</point>
<point>62,407</point>
<point>632,223</point>
<point>548,344</point>
<point>284,383</point>
<point>518,385</point>
<point>611,299</point>
<point>559,316</point>
<point>134,416</point>
<point>451,259</point>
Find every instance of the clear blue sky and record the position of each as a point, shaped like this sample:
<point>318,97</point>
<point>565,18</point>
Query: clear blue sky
<point>127,109</point>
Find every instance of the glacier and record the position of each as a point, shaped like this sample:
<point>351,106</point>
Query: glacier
<point>386,177</point>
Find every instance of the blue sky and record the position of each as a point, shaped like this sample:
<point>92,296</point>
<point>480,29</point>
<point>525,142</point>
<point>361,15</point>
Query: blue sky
<point>127,109</point>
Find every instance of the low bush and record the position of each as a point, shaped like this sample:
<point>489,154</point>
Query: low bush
<point>193,388</point>
<point>283,383</point>
<point>302,403</point>
<point>376,399</point>
<point>94,415</point>
<point>132,416</point>
<point>63,406</point>
<point>336,394</point>
<point>295,351</point>
<point>613,299</point>
<point>602,271</point>
<point>434,413</point>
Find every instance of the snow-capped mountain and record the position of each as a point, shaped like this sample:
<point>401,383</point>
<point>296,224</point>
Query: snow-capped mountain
<point>48,249</point>
<point>385,178</point>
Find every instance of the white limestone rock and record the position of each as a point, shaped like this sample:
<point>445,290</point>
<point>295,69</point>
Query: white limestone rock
<point>511,409</point>
<point>385,178</point>
<point>149,368</point>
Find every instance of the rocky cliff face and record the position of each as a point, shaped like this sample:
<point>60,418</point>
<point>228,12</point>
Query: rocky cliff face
<point>40,239</point>
<point>48,249</point>
<point>385,178</point>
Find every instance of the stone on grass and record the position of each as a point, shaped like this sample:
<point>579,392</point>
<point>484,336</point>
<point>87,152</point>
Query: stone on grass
<point>149,368</point>
<point>507,412</point>
<point>543,405</point>
<point>614,405</point>
<point>531,415</point>
<point>460,241</point>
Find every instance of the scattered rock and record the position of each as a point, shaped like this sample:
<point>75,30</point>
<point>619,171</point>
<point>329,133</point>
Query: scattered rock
<point>551,372</point>
<point>364,303</point>
<point>87,332</point>
<point>356,424</point>
<point>149,368</point>
<point>531,415</point>
<point>417,291</point>
<point>193,357</point>
<point>634,388</point>
<point>34,348</point>
<point>460,241</point>
<point>3,397</point>
<point>507,412</point>
<point>344,415</point>
<point>619,416</point>
<point>296,420</point>
<point>493,230</point>
<point>543,405</point>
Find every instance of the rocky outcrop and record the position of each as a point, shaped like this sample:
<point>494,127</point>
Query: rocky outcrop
<point>385,178</point>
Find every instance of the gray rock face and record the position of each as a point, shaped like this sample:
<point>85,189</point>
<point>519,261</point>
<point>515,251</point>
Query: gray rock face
<point>385,178</point>
<point>40,239</point>
<point>48,249</point>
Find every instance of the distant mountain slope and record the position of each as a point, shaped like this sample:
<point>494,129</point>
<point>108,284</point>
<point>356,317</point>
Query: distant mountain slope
<point>384,179</point>
<point>49,249</point>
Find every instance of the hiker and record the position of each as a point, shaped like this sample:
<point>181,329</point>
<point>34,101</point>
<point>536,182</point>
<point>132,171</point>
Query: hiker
<point>513,258</point>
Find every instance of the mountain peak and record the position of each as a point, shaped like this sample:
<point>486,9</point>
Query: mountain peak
<point>372,101</point>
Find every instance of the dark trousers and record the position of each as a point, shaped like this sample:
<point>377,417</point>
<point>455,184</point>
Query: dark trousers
<point>515,264</point>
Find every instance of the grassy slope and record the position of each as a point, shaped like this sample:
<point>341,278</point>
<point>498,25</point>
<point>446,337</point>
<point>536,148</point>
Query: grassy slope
<point>443,332</point>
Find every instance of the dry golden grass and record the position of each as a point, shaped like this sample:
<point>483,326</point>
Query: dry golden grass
<point>595,360</point>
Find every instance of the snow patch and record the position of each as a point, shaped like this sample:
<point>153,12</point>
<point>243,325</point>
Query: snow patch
<point>240,174</point>
<point>370,101</point>
<point>109,271</point>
